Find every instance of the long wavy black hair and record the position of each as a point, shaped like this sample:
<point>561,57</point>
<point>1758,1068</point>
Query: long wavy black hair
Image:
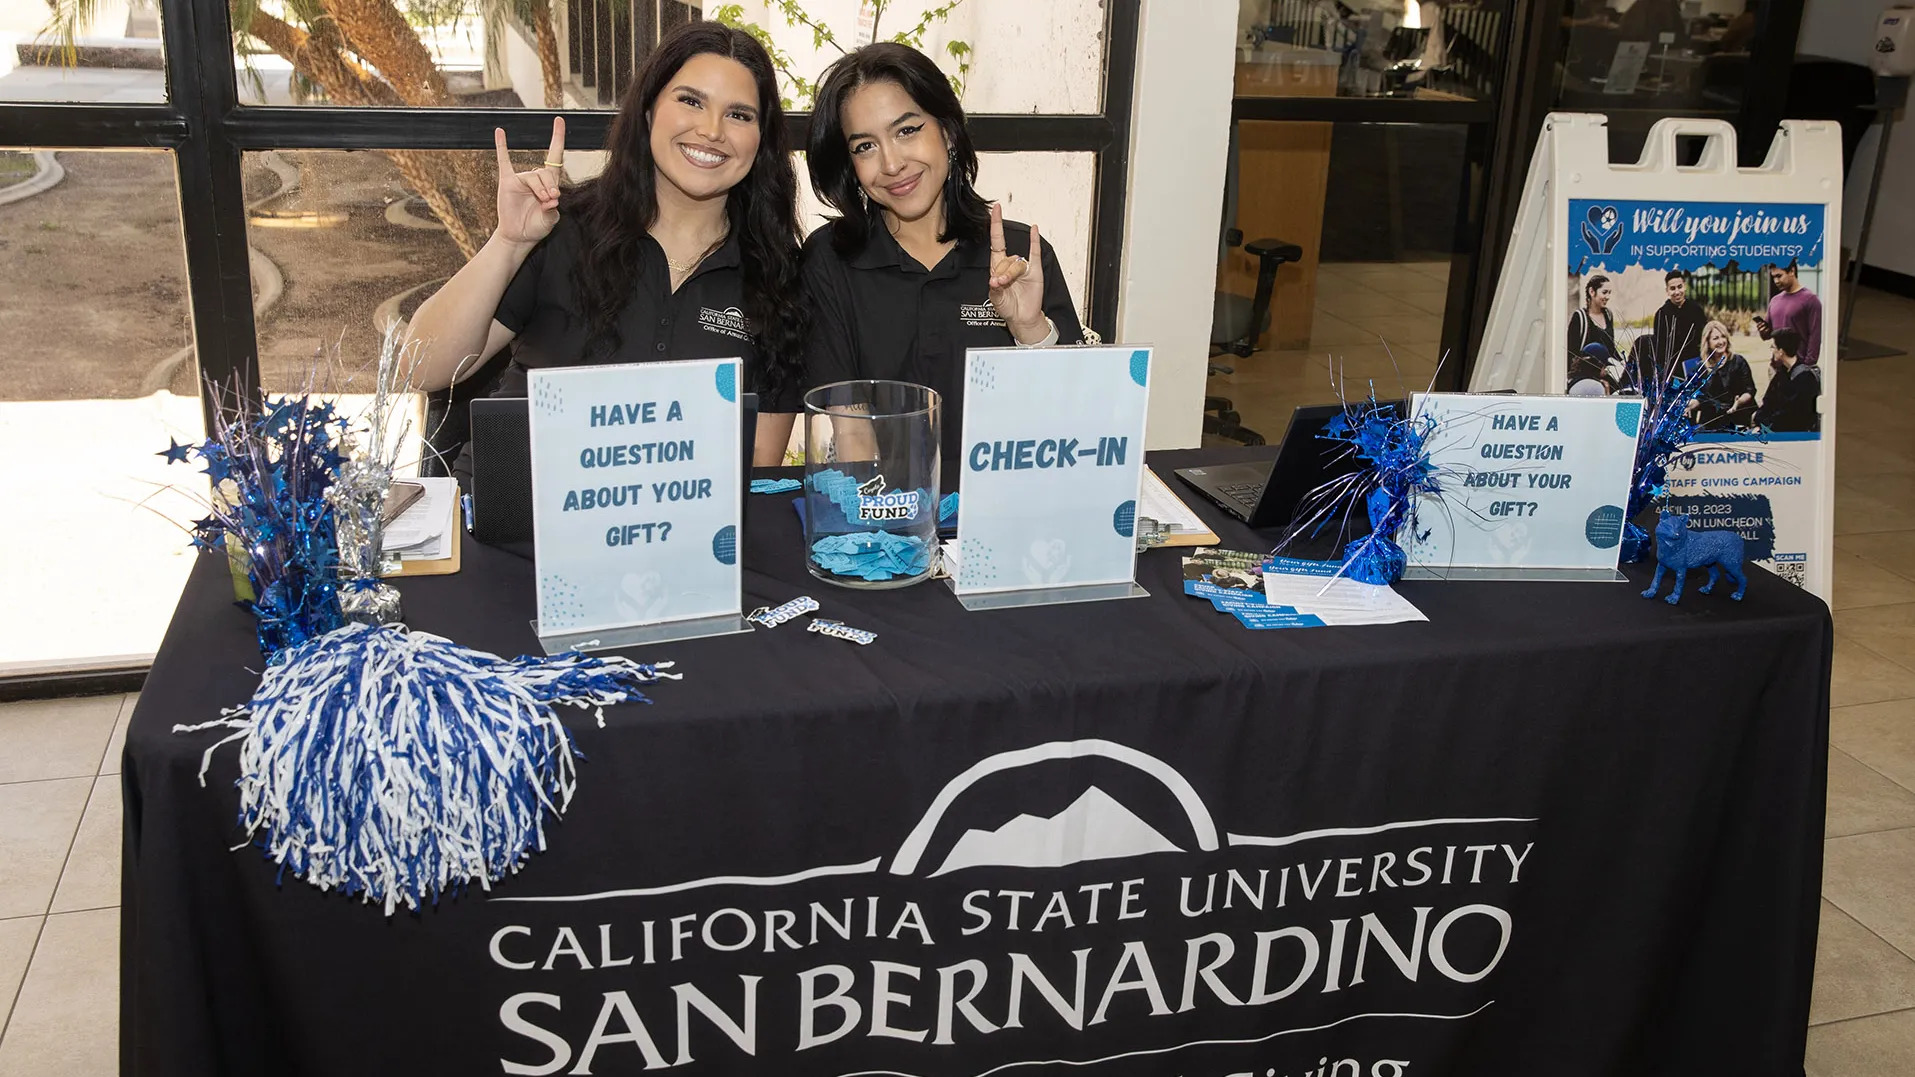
<point>967,216</point>
<point>616,210</point>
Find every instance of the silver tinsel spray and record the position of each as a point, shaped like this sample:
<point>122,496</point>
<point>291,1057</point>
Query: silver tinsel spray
<point>358,495</point>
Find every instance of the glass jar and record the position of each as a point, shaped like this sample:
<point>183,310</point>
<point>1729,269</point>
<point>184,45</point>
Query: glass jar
<point>871,482</point>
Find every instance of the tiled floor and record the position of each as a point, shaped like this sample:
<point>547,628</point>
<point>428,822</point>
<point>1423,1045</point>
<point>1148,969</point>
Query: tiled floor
<point>59,761</point>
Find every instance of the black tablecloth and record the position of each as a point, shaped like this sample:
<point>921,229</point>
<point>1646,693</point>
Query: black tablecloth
<point>1557,829</point>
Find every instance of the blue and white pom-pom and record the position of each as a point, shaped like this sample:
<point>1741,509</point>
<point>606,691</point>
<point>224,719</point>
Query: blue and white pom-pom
<point>400,766</point>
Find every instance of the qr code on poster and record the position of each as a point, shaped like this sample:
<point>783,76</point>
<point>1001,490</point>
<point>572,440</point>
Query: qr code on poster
<point>1795,572</point>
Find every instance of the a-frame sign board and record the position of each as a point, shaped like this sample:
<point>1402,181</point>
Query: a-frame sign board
<point>1618,273</point>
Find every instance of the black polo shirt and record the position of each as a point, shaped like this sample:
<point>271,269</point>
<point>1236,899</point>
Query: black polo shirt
<point>704,319</point>
<point>883,315</point>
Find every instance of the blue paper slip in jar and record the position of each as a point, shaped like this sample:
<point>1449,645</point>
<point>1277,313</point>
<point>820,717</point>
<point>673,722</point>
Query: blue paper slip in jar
<point>871,482</point>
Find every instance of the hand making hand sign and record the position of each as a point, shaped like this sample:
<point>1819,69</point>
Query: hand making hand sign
<point>1017,284</point>
<point>529,201</point>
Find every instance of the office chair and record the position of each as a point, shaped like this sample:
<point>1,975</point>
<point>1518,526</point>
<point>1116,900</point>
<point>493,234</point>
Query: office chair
<point>1236,322</point>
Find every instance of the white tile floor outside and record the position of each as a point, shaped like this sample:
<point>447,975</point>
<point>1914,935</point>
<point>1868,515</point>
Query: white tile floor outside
<point>60,759</point>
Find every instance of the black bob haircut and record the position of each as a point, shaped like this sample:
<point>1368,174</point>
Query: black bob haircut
<point>967,216</point>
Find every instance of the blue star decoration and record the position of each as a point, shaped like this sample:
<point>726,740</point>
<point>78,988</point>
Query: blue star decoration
<point>175,453</point>
<point>278,414</point>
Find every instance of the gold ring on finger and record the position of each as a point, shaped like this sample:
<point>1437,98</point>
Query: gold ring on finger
<point>555,164</point>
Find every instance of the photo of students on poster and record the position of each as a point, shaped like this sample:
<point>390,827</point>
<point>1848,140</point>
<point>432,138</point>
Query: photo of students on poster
<point>1727,399</point>
<point>1595,363</point>
<point>1793,306</point>
<point>1671,289</point>
<point>1724,297</point>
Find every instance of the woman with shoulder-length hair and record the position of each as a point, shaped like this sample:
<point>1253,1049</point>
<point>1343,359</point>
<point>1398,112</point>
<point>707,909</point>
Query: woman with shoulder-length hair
<point>917,267</point>
<point>684,247</point>
<point>1726,396</point>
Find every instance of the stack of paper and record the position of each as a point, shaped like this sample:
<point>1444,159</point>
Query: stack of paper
<point>1179,525</point>
<point>424,531</point>
<point>1313,588</point>
<point>1280,592</point>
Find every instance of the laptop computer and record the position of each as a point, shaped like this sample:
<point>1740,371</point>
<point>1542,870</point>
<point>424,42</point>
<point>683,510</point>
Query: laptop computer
<point>501,484</point>
<point>1266,495</point>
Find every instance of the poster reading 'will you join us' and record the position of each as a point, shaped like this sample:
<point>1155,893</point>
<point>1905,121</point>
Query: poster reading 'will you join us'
<point>1727,296</point>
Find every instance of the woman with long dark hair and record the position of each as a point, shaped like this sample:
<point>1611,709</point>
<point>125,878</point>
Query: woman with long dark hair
<point>684,247</point>
<point>1592,341</point>
<point>917,267</point>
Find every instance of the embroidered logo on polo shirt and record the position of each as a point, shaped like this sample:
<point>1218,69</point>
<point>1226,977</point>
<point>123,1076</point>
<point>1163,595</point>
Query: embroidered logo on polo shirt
<point>728,322</point>
<point>980,314</point>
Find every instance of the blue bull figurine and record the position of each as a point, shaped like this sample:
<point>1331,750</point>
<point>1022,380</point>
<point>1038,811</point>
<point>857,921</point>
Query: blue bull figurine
<point>1679,550</point>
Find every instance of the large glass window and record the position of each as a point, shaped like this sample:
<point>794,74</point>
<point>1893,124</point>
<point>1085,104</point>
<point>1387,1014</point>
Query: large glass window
<point>581,54</point>
<point>90,390</point>
<point>334,233</point>
<point>107,51</point>
<point>1369,48</point>
<point>341,243</point>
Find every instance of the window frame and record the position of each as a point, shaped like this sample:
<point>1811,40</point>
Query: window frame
<point>209,130</point>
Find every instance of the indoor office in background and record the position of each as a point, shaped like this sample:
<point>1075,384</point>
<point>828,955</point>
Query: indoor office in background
<point>1386,141</point>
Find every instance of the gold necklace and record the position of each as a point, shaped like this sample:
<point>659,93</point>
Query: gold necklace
<point>687,267</point>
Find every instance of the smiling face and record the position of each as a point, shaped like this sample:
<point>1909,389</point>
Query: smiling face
<point>705,126</point>
<point>1678,289</point>
<point>1715,341</point>
<point>898,151</point>
<point>1599,297</point>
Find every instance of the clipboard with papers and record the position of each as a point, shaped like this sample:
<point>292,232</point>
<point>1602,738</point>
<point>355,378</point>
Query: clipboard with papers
<point>425,537</point>
<point>1176,523</point>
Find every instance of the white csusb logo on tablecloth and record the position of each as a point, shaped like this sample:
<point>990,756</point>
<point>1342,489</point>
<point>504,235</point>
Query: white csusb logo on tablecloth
<point>729,322</point>
<point>977,315</point>
<point>965,939</point>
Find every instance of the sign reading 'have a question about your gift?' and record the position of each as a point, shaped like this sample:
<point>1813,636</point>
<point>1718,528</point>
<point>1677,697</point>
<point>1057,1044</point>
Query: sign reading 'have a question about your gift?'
<point>1053,451</point>
<point>1530,485</point>
<point>636,494</point>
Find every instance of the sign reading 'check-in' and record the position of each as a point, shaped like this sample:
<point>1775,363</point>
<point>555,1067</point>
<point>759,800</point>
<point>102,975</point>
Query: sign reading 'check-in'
<point>636,494</point>
<point>1053,452</point>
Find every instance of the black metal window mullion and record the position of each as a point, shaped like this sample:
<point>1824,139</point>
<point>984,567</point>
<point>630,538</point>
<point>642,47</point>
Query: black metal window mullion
<point>574,38</point>
<point>203,83</point>
<point>1111,168</point>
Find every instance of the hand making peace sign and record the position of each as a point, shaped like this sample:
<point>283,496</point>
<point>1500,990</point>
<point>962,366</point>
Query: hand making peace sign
<point>529,201</point>
<point>1017,284</point>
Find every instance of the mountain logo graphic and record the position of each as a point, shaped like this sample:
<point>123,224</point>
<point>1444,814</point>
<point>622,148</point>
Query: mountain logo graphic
<point>1094,827</point>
